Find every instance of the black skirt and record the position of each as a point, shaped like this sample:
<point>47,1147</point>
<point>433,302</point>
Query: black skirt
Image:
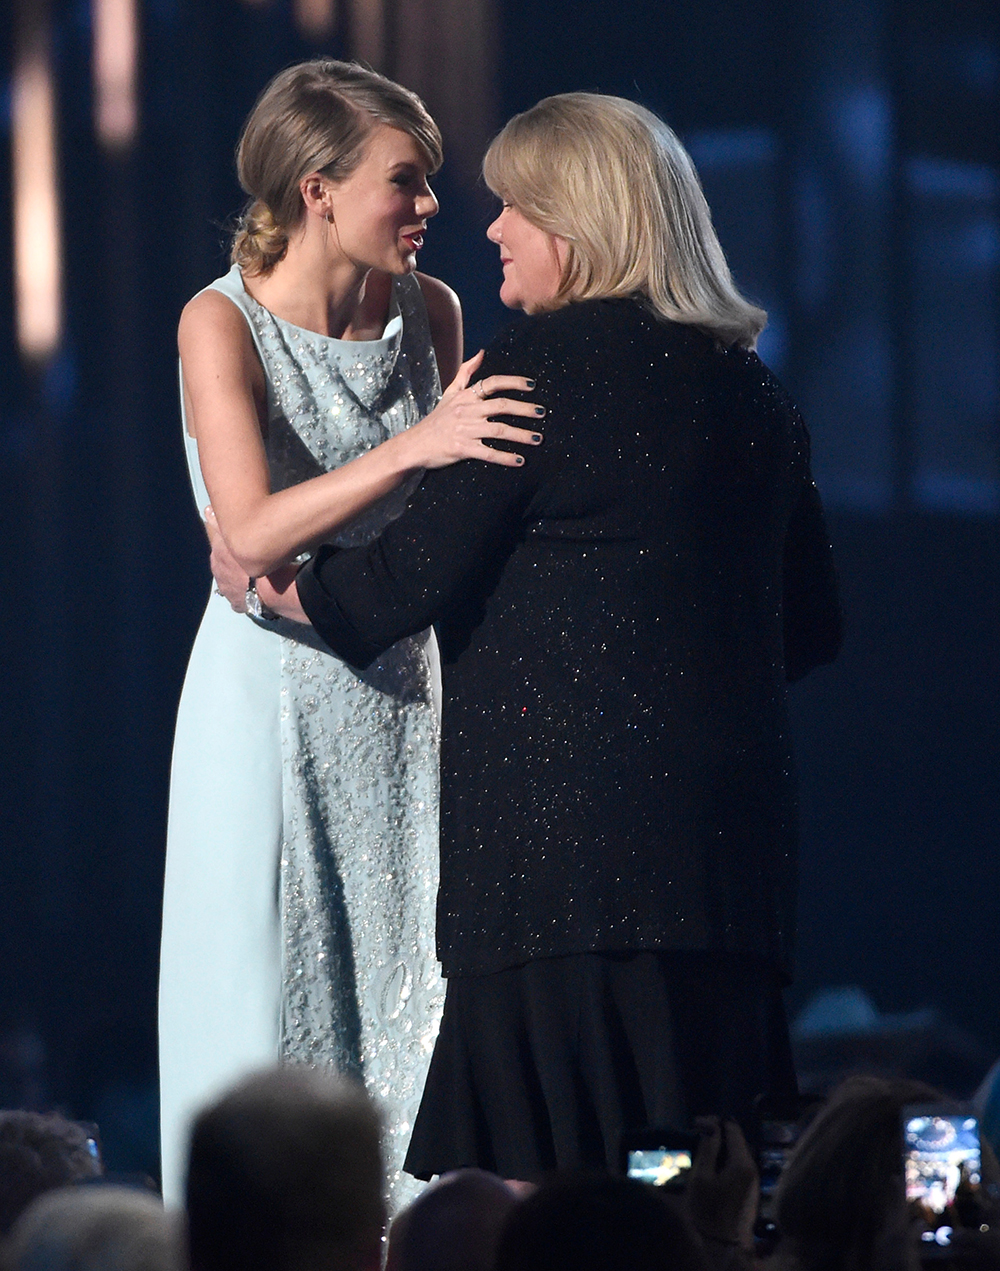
<point>544,1066</point>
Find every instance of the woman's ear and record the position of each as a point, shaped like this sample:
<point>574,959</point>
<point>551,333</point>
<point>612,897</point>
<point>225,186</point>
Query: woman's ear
<point>315,191</point>
<point>565,256</point>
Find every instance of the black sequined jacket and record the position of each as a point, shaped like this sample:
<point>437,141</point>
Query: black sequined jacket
<point>617,621</point>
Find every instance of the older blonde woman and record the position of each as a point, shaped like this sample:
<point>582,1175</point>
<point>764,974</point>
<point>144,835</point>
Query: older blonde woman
<point>617,620</point>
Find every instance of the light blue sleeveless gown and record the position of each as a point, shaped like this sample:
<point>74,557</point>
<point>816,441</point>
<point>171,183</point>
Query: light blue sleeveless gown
<point>301,877</point>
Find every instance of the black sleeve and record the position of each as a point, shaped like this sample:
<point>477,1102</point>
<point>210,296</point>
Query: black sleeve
<point>813,620</point>
<point>461,524</point>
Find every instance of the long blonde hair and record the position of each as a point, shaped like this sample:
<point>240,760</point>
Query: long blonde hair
<point>613,180</point>
<point>313,117</point>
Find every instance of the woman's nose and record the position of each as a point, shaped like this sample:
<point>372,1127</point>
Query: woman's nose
<point>493,231</point>
<point>427,204</point>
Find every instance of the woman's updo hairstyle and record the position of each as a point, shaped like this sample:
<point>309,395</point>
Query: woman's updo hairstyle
<point>613,180</point>
<point>313,117</point>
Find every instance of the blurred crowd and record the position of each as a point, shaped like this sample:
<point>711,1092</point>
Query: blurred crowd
<point>285,1174</point>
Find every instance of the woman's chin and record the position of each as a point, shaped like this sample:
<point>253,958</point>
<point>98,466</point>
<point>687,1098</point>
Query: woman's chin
<point>397,263</point>
<point>510,298</point>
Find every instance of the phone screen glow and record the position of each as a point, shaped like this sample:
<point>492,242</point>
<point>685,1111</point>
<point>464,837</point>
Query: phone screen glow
<point>941,1150</point>
<point>658,1165</point>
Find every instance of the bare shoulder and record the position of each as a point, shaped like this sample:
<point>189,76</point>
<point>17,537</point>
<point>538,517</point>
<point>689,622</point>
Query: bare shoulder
<point>442,303</point>
<point>217,350</point>
<point>213,317</point>
<point>444,317</point>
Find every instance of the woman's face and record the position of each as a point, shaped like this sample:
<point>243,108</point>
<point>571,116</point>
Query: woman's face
<point>379,213</point>
<point>532,260</point>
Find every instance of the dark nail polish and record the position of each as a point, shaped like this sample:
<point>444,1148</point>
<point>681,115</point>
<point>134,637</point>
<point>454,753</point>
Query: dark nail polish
<point>536,436</point>
<point>530,383</point>
<point>539,410</point>
<point>520,458</point>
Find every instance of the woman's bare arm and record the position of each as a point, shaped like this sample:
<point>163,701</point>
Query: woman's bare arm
<point>225,407</point>
<point>276,589</point>
<point>444,317</point>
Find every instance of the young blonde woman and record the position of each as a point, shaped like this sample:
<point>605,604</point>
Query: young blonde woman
<point>617,623</point>
<point>302,845</point>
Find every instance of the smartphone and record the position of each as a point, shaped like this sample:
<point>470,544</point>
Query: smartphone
<point>662,1157</point>
<point>779,1126</point>
<point>941,1163</point>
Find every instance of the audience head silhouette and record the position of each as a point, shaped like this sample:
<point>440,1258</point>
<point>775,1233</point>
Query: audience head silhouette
<point>453,1226</point>
<point>285,1174</point>
<point>841,1195</point>
<point>599,1223</point>
<point>37,1153</point>
<point>94,1229</point>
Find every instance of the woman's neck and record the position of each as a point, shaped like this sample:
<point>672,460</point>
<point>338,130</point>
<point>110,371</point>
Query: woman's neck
<point>331,295</point>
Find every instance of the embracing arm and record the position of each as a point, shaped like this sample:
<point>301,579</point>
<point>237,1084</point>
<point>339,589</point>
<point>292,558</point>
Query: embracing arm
<point>441,558</point>
<point>225,404</point>
<point>459,526</point>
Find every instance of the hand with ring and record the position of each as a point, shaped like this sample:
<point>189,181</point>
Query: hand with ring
<point>464,419</point>
<point>230,577</point>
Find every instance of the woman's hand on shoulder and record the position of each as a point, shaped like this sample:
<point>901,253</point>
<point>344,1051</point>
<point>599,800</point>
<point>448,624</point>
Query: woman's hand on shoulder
<point>464,418</point>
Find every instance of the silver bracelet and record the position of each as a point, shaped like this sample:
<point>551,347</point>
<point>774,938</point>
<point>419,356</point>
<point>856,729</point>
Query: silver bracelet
<point>255,607</point>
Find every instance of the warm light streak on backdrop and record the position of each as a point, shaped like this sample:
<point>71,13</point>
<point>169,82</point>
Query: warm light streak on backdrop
<point>115,50</point>
<point>37,230</point>
<point>368,32</point>
<point>445,50</point>
<point>316,19</point>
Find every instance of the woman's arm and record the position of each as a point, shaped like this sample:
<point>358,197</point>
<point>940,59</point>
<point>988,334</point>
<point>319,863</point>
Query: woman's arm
<point>444,317</point>
<point>455,534</point>
<point>276,590</point>
<point>225,401</point>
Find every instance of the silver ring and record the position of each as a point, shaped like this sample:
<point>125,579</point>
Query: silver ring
<point>217,590</point>
<point>478,390</point>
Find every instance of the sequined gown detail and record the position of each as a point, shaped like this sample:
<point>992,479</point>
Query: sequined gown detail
<point>344,849</point>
